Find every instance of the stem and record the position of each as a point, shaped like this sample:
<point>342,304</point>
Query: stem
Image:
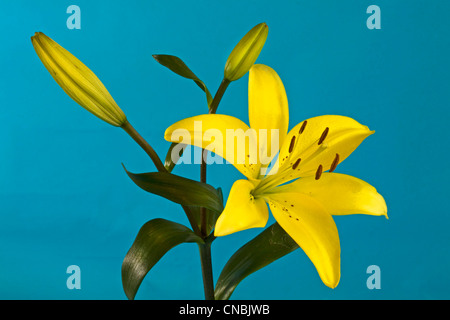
<point>212,110</point>
<point>203,179</point>
<point>219,94</point>
<point>144,145</point>
<point>205,249</point>
<point>208,281</point>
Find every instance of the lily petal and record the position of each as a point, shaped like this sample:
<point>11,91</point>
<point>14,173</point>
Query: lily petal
<point>242,210</point>
<point>317,143</point>
<point>314,230</point>
<point>267,109</point>
<point>340,194</point>
<point>227,136</point>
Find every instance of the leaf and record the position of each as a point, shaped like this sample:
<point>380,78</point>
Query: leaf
<point>179,189</point>
<point>179,67</point>
<point>270,245</point>
<point>176,65</point>
<point>170,162</point>
<point>154,239</point>
<point>211,215</point>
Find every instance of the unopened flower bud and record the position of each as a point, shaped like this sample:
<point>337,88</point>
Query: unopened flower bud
<point>77,80</point>
<point>246,52</point>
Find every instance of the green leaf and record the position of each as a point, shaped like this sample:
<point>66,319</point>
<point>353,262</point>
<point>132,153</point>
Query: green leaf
<point>154,239</point>
<point>179,189</point>
<point>170,162</point>
<point>179,67</point>
<point>211,215</point>
<point>270,245</point>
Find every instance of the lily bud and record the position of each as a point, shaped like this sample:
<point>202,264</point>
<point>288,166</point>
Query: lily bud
<point>77,80</point>
<point>246,52</point>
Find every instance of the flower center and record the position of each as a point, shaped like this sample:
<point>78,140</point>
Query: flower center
<point>290,166</point>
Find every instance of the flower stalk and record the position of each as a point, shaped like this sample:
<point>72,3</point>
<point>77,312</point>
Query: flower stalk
<point>144,145</point>
<point>207,274</point>
<point>205,250</point>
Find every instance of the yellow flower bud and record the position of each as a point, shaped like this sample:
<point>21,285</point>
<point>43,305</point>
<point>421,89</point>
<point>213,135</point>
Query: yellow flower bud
<point>77,80</point>
<point>246,52</point>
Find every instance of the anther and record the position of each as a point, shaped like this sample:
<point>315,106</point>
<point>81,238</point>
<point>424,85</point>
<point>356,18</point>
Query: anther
<point>291,146</point>
<point>319,172</point>
<point>335,163</point>
<point>302,128</point>
<point>296,163</point>
<point>324,135</point>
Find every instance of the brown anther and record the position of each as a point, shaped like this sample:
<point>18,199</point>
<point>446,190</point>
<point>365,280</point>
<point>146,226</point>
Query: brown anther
<point>296,163</point>
<point>324,135</point>
<point>291,146</point>
<point>302,128</point>
<point>335,163</point>
<point>319,172</point>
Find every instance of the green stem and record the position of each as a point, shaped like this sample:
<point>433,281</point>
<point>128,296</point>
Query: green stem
<point>144,145</point>
<point>208,281</point>
<point>219,94</point>
<point>212,110</point>
<point>205,250</point>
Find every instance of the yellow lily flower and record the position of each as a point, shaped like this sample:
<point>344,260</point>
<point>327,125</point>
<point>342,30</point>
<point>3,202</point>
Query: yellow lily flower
<point>304,207</point>
<point>77,80</point>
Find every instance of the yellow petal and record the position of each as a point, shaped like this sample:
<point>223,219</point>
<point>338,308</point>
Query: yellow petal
<point>314,230</point>
<point>340,194</point>
<point>322,139</point>
<point>242,210</point>
<point>228,137</point>
<point>267,109</point>
<point>77,80</point>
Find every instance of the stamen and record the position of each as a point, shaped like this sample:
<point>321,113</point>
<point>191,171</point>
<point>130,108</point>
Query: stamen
<point>302,128</point>
<point>324,135</point>
<point>335,163</point>
<point>291,146</point>
<point>296,163</point>
<point>319,172</point>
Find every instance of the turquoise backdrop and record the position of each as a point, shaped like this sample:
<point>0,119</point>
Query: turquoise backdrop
<point>66,200</point>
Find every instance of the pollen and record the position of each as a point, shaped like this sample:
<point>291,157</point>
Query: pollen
<point>291,146</point>
<point>324,135</point>
<point>335,163</point>
<point>302,128</point>
<point>319,172</point>
<point>296,163</point>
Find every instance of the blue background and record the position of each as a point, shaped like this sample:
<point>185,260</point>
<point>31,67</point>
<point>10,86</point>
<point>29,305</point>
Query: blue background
<point>65,198</point>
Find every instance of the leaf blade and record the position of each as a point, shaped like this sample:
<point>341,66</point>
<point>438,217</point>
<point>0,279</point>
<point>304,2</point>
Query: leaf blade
<point>171,157</point>
<point>153,241</point>
<point>211,216</point>
<point>177,65</point>
<point>269,246</point>
<point>178,189</point>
